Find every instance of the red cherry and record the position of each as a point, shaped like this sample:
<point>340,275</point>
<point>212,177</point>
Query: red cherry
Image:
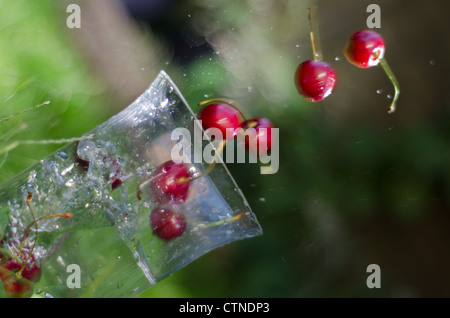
<point>32,273</point>
<point>15,287</point>
<point>315,80</point>
<point>116,182</point>
<point>171,182</point>
<point>116,176</point>
<point>167,224</point>
<point>365,48</point>
<point>221,116</point>
<point>263,137</point>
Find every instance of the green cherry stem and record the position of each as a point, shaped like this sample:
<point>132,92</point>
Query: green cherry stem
<point>19,273</point>
<point>384,64</point>
<point>209,168</point>
<point>8,253</point>
<point>27,230</point>
<point>227,101</point>
<point>225,221</point>
<point>317,52</point>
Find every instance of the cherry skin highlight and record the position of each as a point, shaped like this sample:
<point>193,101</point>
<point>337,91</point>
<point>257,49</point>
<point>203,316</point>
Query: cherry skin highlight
<point>262,138</point>
<point>315,80</point>
<point>365,48</point>
<point>171,182</point>
<point>221,116</point>
<point>167,224</point>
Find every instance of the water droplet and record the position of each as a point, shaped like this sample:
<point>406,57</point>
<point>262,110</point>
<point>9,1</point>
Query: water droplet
<point>164,103</point>
<point>297,45</point>
<point>70,183</point>
<point>379,91</point>
<point>262,199</point>
<point>432,62</point>
<point>389,96</point>
<point>337,58</point>
<point>142,69</point>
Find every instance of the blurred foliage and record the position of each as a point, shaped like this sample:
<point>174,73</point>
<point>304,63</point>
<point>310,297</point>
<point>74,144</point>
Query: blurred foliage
<point>38,64</point>
<point>356,186</point>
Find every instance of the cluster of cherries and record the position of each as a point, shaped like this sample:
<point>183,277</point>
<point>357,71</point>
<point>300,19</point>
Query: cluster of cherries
<point>170,182</point>
<point>315,79</point>
<point>168,185</point>
<point>19,272</point>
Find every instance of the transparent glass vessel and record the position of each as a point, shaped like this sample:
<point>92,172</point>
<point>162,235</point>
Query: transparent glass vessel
<point>106,246</point>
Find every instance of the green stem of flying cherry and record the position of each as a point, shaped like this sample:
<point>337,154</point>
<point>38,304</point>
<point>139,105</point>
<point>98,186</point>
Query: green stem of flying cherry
<point>317,52</point>
<point>384,64</point>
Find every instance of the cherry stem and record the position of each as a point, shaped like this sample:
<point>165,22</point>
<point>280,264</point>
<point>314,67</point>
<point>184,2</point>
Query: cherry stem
<point>221,99</point>
<point>62,215</point>
<point>225,221</point>
<point>27,230</point>
<point>384,64</point>
<point>219,150</point>
<point>317,52</point>
<point>222,143</point>
<point>227,101</point>
<point>210,167</point>
<point>9,254</point>
<point>19,273</point>
<point>182,180</point>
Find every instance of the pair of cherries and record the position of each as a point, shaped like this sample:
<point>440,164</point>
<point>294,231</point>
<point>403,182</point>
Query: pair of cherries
<point>228,118</point>
<point>169,188</point>
<point>316,79</point>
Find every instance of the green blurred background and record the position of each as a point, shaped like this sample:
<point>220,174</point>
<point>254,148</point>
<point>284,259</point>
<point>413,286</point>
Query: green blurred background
<point>356,186</point>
